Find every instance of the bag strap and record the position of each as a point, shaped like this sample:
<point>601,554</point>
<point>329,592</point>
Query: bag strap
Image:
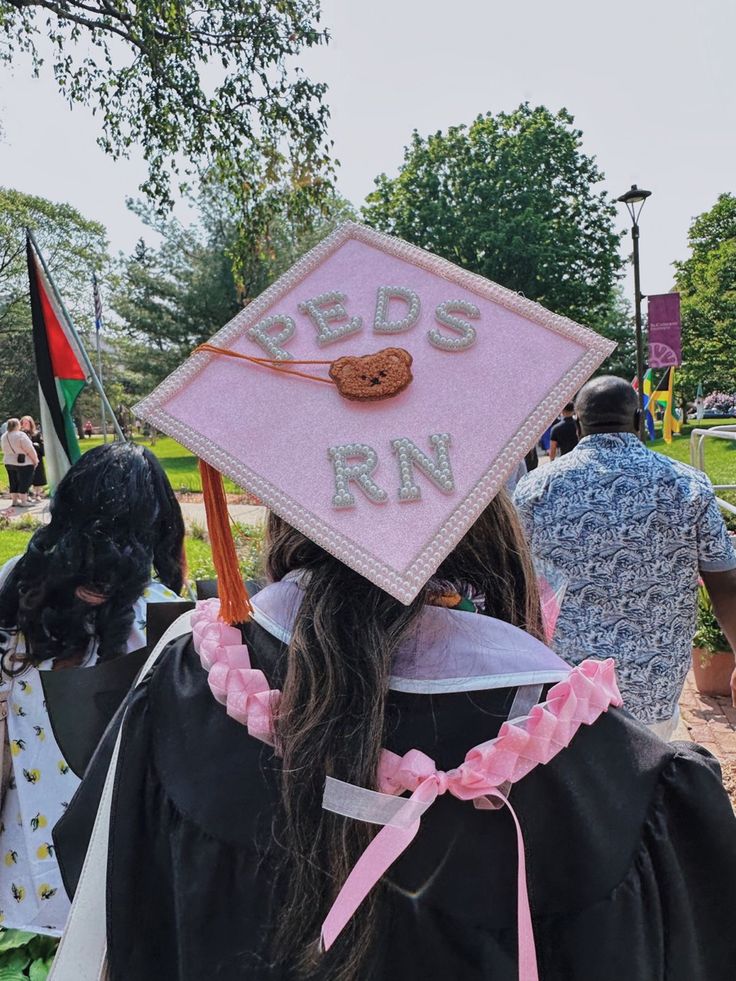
<point>15,452</point>
<point>5,572</point>
<point>82,953</point>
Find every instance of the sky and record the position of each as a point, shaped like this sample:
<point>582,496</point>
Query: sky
<point>651,84</point>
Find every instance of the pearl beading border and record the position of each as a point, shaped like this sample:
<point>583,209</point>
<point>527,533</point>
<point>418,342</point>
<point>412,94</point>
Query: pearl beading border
<point>404,585</point>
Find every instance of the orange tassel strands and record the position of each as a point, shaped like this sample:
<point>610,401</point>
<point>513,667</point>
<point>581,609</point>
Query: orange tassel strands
<point>234,600</point>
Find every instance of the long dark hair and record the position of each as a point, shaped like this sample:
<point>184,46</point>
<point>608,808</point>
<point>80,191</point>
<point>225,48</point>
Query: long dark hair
<point>114,518</point>
<point>332,712</point>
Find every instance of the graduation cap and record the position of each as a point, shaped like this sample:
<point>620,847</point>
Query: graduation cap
<point>376,397</point>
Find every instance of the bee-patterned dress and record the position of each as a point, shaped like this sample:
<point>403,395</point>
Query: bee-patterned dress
<point>32,895</point>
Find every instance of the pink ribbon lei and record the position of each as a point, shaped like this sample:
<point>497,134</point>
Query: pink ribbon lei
<point>484,776</point>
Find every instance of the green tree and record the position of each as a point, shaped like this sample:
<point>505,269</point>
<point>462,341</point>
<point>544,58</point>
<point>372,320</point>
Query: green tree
<point>169,300</point>
<point>514,198</point>
<point>175,296</point>
<point>707,284</point>
<point>187,83</point>
<point>618,325</point>
<point>74,247</point>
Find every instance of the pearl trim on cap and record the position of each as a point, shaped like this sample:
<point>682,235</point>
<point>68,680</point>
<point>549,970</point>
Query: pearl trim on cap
<point>404,584</point>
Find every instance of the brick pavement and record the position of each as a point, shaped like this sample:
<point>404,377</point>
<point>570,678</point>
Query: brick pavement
<point>708,720</point>
<point>711,721</point>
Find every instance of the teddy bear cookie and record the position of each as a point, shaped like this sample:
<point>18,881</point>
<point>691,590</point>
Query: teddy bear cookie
<point>372,377</point>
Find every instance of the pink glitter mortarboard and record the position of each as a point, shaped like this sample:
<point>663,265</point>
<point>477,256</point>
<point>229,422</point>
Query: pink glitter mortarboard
<point>388,486</point>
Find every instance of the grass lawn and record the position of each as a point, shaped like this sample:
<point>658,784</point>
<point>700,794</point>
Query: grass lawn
<point>720,459</point>
<point>199,555</point>
<point>12,543</point>
<point>720,456</point>
<point>180,465</point>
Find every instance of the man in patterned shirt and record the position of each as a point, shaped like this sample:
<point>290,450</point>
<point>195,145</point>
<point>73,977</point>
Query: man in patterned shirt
<point>628,531</point>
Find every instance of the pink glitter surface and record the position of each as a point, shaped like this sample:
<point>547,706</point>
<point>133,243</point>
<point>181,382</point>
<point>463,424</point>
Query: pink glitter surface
<point>271,431</point>
<point>282,426</point>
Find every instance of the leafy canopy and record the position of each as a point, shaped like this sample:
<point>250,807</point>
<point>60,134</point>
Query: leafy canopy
<point>188,83</point>
<point>74,247</point>
<point>618,326</point>
<point>169,300</point>
<point>514,198</point>
<point>173,297</point>
<point>707,284</point>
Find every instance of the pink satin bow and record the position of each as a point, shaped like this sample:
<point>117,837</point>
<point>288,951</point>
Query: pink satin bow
<point>418,770</point>
<point>520,745</point>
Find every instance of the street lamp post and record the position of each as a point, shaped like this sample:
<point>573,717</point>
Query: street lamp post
<point>634,200</point>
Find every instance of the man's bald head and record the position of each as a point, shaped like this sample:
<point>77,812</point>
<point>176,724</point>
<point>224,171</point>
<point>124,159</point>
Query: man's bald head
<point>607,405</point>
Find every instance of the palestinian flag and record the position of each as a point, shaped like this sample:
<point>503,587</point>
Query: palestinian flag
<point>59,366</point>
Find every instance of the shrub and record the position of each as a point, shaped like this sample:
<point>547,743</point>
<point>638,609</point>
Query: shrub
<point>708,636</point>
<point>25,955</point>
<point>198,532</point>
<point>720,402</point>
<point>248,544</point>
<point>26,522</point>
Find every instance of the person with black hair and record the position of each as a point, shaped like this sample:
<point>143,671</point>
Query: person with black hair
<point>629,531</point>
<point>77,597</point>
<point>563,436</point>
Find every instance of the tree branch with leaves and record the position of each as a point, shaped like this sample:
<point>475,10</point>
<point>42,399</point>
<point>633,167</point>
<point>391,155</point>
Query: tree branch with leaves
<point>188,83</point>
<point>514,198</point>
<point>707,284</point>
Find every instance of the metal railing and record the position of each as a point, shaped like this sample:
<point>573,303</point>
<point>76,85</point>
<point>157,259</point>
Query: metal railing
<point>697,456</point>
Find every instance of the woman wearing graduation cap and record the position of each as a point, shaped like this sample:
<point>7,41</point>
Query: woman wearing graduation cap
<point>376,767</point>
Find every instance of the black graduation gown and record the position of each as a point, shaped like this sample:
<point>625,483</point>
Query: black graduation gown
<point>630,842</point>
<point>39,474</point>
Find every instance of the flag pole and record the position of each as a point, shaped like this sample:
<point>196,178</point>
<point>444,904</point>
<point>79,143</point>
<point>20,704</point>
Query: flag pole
<point>102,401</point>
<point>98,328</point>
<point>82,350</point>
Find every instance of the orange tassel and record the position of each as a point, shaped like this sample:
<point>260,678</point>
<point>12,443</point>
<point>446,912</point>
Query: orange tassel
<point>234,600</point>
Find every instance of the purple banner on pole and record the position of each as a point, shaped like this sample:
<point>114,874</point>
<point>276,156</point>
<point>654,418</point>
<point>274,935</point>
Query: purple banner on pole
<point>665,350</point>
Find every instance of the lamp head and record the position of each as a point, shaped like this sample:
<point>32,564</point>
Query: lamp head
<point>634,200</point>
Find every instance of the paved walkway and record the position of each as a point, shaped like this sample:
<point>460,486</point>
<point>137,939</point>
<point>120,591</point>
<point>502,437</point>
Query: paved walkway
<point>39,510</point>
<point>711,721</point>
<point>193,512</point>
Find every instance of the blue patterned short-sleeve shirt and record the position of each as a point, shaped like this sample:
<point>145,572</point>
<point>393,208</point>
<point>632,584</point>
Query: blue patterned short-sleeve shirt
<point>626,531</point>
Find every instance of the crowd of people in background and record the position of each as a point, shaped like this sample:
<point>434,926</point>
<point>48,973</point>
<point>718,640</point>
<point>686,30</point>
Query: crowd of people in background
<point>23,452</point>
